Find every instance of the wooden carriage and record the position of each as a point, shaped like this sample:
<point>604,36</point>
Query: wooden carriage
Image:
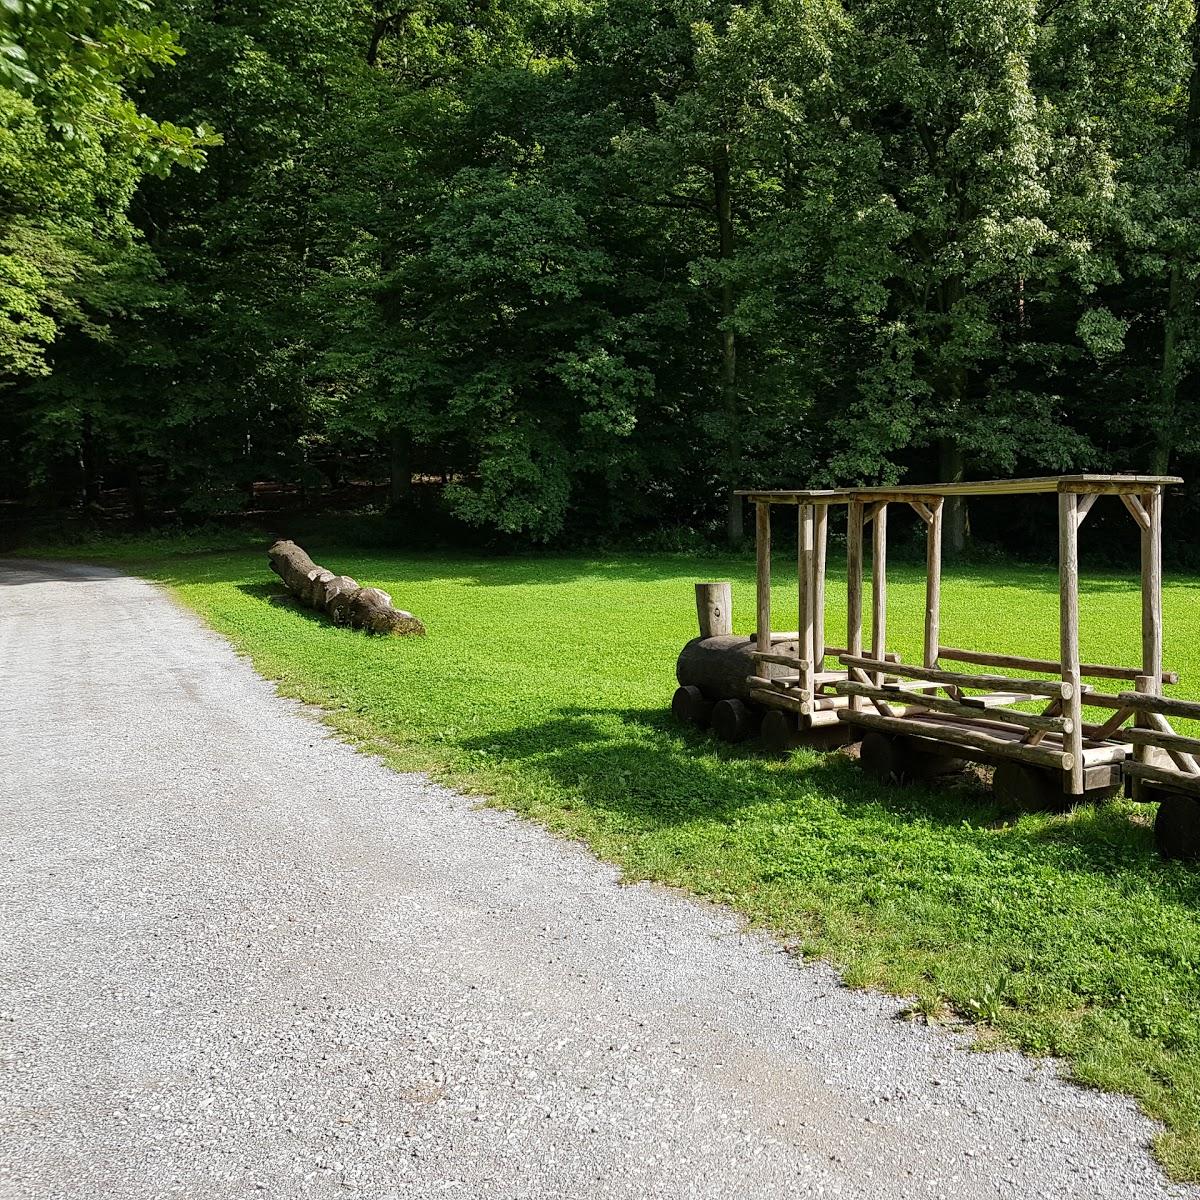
<point>909,712</point>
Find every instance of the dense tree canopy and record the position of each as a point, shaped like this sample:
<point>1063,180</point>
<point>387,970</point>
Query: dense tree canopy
<point>562,267</point>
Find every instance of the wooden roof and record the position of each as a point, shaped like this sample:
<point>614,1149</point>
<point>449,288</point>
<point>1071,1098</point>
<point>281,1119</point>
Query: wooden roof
<point>1102,484</point>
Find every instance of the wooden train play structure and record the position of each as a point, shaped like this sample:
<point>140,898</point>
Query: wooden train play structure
<point>928,718</point>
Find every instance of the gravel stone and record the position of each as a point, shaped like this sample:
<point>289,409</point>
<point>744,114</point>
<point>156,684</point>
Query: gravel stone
<point>225,980</point>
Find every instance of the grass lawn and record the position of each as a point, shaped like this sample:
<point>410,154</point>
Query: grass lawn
<point>545,682</point>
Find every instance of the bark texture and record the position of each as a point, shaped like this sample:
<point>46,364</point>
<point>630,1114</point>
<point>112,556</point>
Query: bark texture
<point>339,596</point>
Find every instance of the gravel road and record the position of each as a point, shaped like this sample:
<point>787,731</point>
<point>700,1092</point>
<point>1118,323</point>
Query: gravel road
<point>240,959</point>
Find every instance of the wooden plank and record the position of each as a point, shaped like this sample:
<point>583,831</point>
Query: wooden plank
<point>762,544</point>
<point>998,699</point>
<point>821,545</point>
<point>1039,687</point>
<point>1068,632</point>
<point>805,554</point>
<point>958,709</point>
<point>933,583</point>
<point>909,685</point>
<point>1050,666</point>
<point>879,584</point>
<point>1040,756</point>
<point>854,581</point>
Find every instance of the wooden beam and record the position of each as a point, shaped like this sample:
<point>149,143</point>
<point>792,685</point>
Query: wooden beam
<point>878,697</point>
<point>924,511</point>
<point>955,708</point>
<point>1136,510</point>
<point>1039,687</point>
<point>933,583</point>
<point>762,543</point>
<point>1084,507</point>
<point>781,660</point>
<point>1068,631</point>
<point>1167,705</point>
<point>953,735</point>
<point>1181,749</point>
<point>1164,775</point>
<point>1053,709</point>
<point>1050,666</point>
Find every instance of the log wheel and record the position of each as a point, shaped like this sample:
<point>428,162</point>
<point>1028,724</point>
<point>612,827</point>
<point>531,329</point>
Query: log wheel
<point>732,721</point>
<point>1177,826</point>
<point>1028,789</point>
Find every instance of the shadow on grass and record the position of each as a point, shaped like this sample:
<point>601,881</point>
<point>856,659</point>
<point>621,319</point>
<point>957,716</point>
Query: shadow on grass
<point>667,776</point>
<point>277,596</point>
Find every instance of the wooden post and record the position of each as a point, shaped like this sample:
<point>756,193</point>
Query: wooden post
<point>1068,601</point>
<point>854,584</point>
<point>1152,590</point>
<point>933,582</point>
<point>1149,682</point>
<point>879,585</point>
<point>762,538</point>
<point>1145,686</point>
<point>818,590</point>
<point>805,555</point>
<point>714,609</point>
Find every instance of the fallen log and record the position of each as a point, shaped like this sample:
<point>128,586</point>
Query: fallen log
<point>339,596</point>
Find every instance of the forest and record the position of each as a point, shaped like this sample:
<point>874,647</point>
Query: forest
<point>562,270</point>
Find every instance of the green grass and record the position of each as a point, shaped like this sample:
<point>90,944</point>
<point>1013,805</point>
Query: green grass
<point>544,684</point>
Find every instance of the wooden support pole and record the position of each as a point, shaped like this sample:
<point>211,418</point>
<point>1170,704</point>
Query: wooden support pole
<point>1152,591</point>
<point>762,542</point>
<point>933,583</point>
<point>1068,653</point>
<point>879,585</point>
<point>854,583</point>
<point>805,556</point>
<point>821,512</point>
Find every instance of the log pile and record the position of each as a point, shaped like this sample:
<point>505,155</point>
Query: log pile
<point>339,596</point>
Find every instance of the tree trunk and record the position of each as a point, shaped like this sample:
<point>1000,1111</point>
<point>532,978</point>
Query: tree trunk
<point>952,468</point>
<point>1181,292</point>
<point>400,492</point>
<point>722,196</point>
<point>89,485</point>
